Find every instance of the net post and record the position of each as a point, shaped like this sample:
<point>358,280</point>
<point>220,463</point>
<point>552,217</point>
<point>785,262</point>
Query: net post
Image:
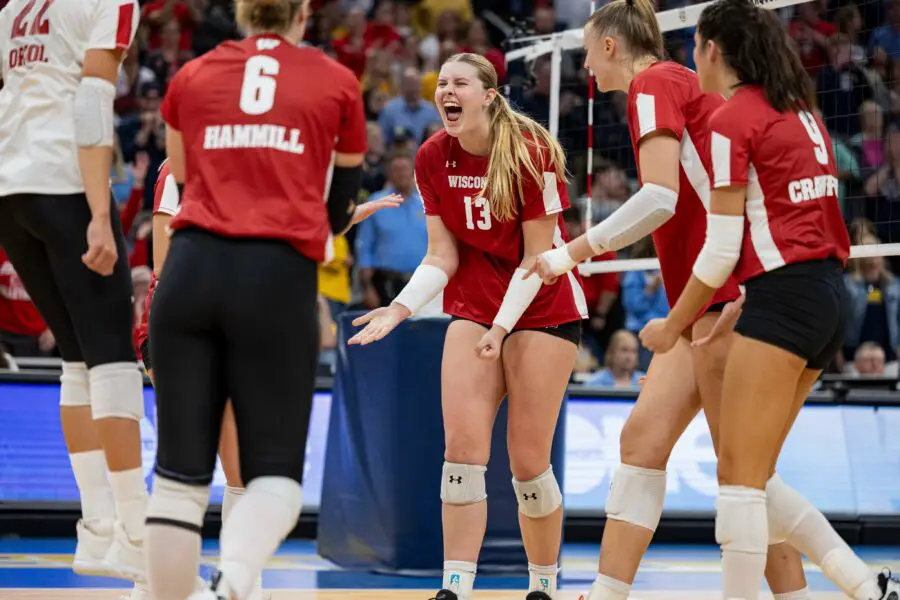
<point>555,78</point>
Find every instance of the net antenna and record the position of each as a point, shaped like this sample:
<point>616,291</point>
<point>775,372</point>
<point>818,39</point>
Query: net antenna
<point>530,48</point>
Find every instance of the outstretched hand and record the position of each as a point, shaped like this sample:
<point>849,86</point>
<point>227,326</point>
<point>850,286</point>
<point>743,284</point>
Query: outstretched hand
<point>378,323</point>
<point>367,209</point>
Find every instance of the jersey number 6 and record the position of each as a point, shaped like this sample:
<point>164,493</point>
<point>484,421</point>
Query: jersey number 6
<point>484,220</point>
<point>258,89</point>
<point>40,25</point>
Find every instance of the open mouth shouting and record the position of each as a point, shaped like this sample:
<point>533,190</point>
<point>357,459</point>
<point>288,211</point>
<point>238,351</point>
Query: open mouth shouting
<point>452,110</point>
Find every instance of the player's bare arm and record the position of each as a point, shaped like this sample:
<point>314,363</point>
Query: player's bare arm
<point>724,234</point>
<point>94,135</point>
<point>430,278</point>
<point>641,215</point>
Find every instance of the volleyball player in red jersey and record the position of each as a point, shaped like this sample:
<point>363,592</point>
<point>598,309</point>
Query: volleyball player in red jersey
<point>776,223</point>
<point>235,312</point>
<point>668,119</point>
<point>493,185</point>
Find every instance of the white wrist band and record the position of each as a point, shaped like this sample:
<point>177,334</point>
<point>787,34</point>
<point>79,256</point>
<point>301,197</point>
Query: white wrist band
<point>426,283</point>
<point>559,260</point>
<point>721,251</point>
<point>518,298</point>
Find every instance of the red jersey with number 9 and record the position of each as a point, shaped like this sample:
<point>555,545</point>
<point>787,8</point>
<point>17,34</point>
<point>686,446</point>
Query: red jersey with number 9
<point>785,160</point>
<point>260,121</point>
<point>449,181</point>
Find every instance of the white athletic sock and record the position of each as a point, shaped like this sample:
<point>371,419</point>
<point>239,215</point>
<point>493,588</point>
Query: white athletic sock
<point>607,588</point>
<point>98,508</point>
<point>256,526</point>
<point>130,493</point>
<point>743,532</point>
<point>798,595</point>
<point>459,578</point>
<point>542,578</point>
<point>230,499</point>
<point>805,528</point>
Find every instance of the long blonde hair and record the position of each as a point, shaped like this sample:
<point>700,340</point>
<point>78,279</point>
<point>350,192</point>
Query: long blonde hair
<point>519,146</point>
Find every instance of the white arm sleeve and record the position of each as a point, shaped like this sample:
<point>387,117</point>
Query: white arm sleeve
<point>519,296</point>
<point>640,216</point>
<point>94,112</point>
<point>721,250</point>
<point>426,283</point>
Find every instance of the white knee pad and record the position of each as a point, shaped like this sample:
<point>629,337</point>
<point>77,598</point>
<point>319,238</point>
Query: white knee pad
<point>284,489</point>
<point>463,484</point>
<point>74,385</point>
<point>117,390</point>
<point>540,496</point>
<point>177,504</point>
<point>741,520</point>
<point>636,496</point>
<point>785,509</point>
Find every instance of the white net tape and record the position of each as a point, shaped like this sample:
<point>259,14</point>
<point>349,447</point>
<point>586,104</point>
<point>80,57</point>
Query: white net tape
<point>533,47</point>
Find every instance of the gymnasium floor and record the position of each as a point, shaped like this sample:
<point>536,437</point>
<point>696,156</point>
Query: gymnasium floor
<point>39,570</point>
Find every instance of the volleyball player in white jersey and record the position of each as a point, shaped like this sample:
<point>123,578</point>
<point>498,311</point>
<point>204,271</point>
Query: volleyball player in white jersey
<point>61,230</point>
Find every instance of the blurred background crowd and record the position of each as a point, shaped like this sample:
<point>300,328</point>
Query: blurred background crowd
<point>396,47</point>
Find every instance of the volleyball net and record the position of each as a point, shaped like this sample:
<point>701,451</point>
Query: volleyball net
<point>853,90</point>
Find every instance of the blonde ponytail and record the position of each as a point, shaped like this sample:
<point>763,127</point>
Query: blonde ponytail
<point>521,150</point>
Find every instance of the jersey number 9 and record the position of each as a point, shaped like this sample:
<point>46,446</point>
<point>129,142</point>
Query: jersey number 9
<point>815,134</point>
<point>258,89</point>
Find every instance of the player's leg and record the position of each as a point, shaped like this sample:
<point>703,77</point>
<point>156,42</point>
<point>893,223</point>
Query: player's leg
<point>101,311</point>
<point>469,407</point>
<point>537,367</point>
<point>667,404</point>
<point>191,392</point>
<point>784,566</point>
<point>32,264</point>
<point>270,332</point>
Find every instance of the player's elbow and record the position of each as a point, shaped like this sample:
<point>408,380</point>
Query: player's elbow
<point>446,259</point>
<point>93,111</point>
<point>721,251</point>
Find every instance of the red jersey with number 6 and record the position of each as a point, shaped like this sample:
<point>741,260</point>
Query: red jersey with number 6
<point>260,121</point>
<point>666,98</point>
<point>786,162</point>
<point>449,180</point>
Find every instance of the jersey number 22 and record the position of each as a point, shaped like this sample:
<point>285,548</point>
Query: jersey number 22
<point>40,25</point>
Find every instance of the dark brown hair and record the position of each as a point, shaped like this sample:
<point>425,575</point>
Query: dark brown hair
<point>634,22</point>
<point>755,45</point>
<point>268,16</point>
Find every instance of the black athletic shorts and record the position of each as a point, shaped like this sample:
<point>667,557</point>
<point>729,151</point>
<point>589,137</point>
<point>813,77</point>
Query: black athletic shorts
<point>233,318</point>
<point>801,308</point>
<point>90,315</point>
<point>570,331</point>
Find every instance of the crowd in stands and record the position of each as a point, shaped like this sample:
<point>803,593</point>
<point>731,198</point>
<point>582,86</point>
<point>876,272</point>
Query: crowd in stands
<point>395,48</point>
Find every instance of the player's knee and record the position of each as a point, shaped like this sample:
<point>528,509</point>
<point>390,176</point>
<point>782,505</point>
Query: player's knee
<point>466,449</point>
<point>74,385</point>
<point>785,509</point>
<point>286,489</point>
<point>117,390</point>
<point>538,497</point>
<point>527,460</point>
<point>644,443</point>
<point>177,504</point>
<point>741,520</point>
<point>636,496</point>
<point>741,469</point>
<point>463,484</point>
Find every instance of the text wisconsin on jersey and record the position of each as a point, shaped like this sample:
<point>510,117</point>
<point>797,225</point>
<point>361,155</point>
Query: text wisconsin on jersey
<point>224,137</point>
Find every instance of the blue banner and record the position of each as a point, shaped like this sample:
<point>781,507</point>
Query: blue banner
<point>843,458</point>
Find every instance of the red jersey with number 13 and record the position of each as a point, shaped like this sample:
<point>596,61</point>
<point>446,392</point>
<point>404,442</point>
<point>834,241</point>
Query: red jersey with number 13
<point>449,180</point>
<point>666,97</point>
<point>261,120</point>
<point>786,162</point>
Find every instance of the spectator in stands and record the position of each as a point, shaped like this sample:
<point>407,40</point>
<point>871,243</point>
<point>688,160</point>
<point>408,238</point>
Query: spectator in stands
<point>165,61</point>
<point>887,36</point>
<point>620,363</point>
<point>884,187</point>
<point>849,22</point>
<point>379,74</point>
<point>334,278</point>
<point>875,305</point>
<point>869,142</point>
<point>608,192</point>
<point>842,87</point>
<point>21,326</point>
<point>216,25</point>
<point>392,243</point>
<point>811,32</point>
<point>643,298</point>
<point>408,111</point>
<point>868,360</point>
<point>375,100</point>
<point>447,29</point>
<point>159,12</point>
<point>133,76</point>
<point>374,177</point>
<point>351,49</point>
<point>477,41</point>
